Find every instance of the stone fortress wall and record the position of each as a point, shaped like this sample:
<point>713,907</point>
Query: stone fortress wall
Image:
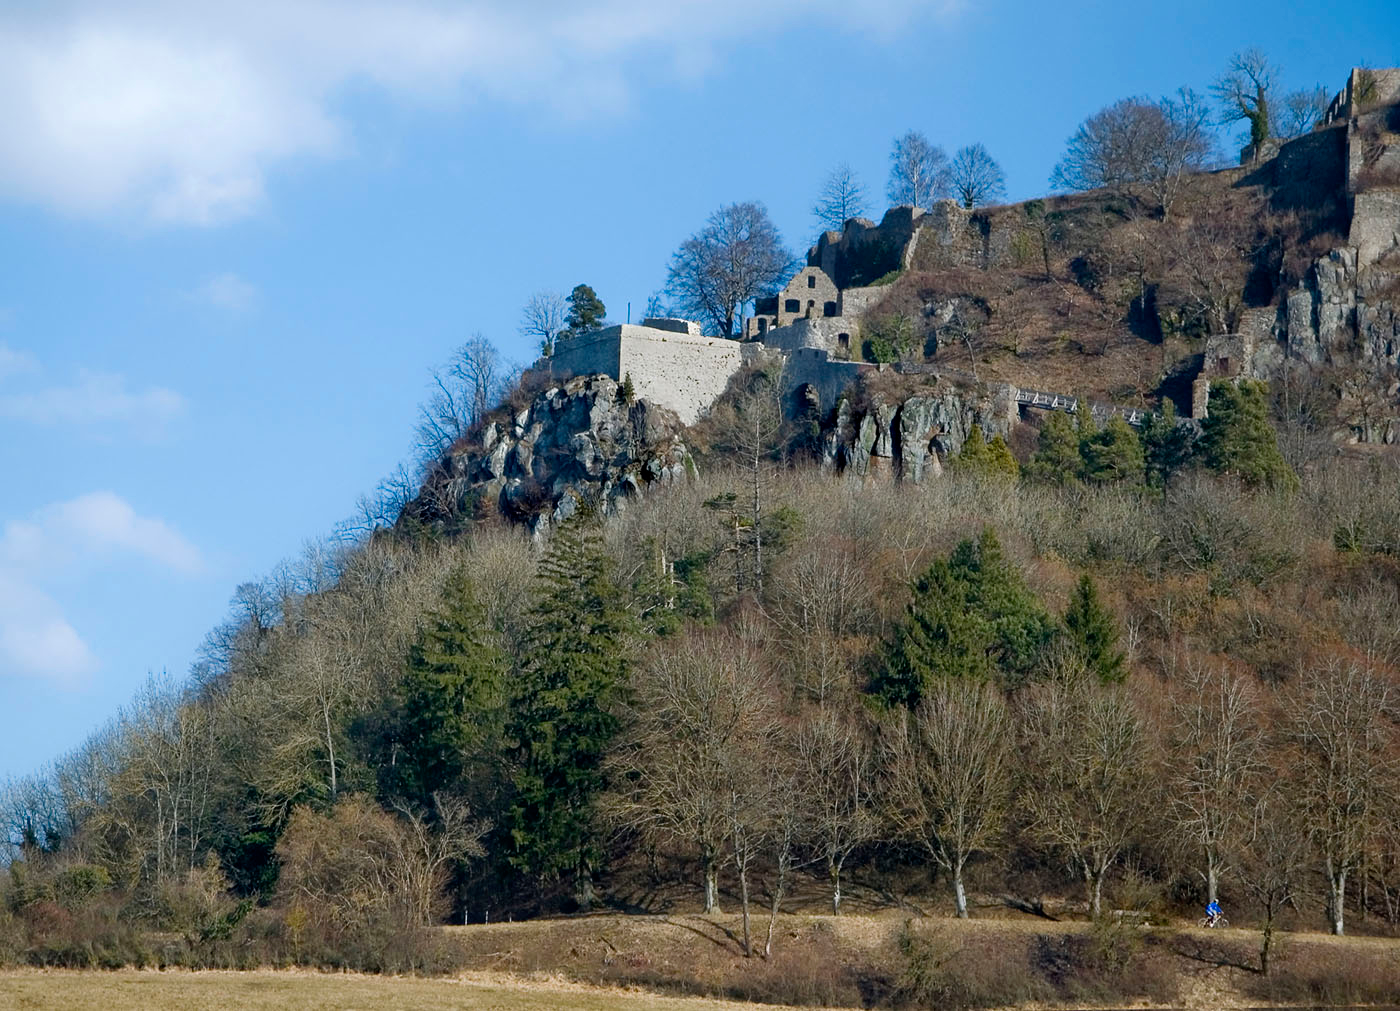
<point>671,363</point>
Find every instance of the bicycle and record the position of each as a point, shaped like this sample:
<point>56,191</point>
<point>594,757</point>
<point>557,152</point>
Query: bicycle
<point>1215,921</point>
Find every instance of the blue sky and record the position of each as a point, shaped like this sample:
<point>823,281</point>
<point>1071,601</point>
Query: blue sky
<point>234,238</point>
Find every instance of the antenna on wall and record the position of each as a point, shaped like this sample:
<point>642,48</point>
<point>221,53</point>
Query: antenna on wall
<point>629,312</point>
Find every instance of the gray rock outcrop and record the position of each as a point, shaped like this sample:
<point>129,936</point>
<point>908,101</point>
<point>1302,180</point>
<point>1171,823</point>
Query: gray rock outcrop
<point>575,443</point>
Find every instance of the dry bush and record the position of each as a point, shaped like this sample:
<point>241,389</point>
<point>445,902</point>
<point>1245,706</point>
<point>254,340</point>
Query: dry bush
<point>1330,976</point>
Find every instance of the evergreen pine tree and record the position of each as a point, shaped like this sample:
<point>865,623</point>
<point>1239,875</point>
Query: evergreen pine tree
<point>1000,459</point>
<point>453,697</point>
<point>626,393</point>
<point>973,457</point>
<point>969,616</point>
<point>1166,445</point>
<point>586,311</point>
<point>979,456</point>
<point>1236,437</point>
<point>1094,633</point>
<point>1056,459</point>
<point>1113,453</point>
<point>564,707</point>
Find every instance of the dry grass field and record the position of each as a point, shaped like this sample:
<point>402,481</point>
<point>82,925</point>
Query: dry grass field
<point>269,990</point>
<point>610,961</point>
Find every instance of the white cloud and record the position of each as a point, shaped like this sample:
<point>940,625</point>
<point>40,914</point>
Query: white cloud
<point>95,398</point>
<point>98,525</point>
<point>99,528</point>
<point>35,639</point>
<point>227,291</point>
<point>179,109</point>
<point>15,363</point>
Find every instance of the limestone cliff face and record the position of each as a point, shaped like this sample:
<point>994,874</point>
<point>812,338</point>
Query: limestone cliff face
<point>577,442</point>
<point>909,439</point>
<point>1346,315</point>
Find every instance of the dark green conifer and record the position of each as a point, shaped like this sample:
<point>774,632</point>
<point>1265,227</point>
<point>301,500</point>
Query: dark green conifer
<point>1093,631</point>
<point>978,456</point>
<point>1236,437</point>
<point>1056,459</point>
<point>586,311</point>
<point>453,697</point>
<point>564,707</point>
<point>1113,453</point>
<point>970,616</point>
<point>1166,445</point>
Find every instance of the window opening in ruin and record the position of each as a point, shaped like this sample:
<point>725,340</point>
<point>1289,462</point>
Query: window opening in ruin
<point>811,304</point>
<point>762,326</point>
<point>843,340</point>
<point>829,309</point>
<point>792,305</point>
<point>1224,365</point>
<point>811,280</point>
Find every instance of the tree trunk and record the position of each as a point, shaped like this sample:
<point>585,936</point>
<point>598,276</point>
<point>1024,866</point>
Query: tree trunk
<point>1336,901</point>
<point>1212,879</point>
<point>959,893</point>
<point>833,871</point>
<point>711,885</point>
<point>1268,943</point>
<point>330,747</point>
<point>744,900</point>
<point>757,517</point>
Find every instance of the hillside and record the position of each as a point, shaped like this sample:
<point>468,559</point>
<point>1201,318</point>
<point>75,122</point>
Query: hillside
<point>981,626</point>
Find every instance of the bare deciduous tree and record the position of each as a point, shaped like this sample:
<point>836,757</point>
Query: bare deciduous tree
<point>842,197</point>
<point>918,172</point>
<point>836,779</point>
<point>473,380</point>
<point>1302,110</point>
<point>1216,758</point>
<point>950,775</point>
<point>1341,720</point>
<point>698,704</point>
<point>977,177</point>
<point>735,258</point>
<point>1083,745</point>
<point>1246,92</point>
<point>544,316</point>
<point>1272,860</point>
<point>1136,142</point>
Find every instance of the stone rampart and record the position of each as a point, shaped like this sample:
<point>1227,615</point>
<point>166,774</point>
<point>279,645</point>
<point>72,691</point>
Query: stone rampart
<point>827,379</point>
<point>680,371</point>
<point>1375,224</point>
<point>674,369</point>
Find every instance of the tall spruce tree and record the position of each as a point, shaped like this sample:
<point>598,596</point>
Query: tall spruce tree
<point>1093,632</point>
<point>564,707</point>
<point>1056,459</point>
<point>1236,437</point>
<point>1113,453</point>
<point>453,698</point>
<point>970,616</point>
<point>981,456</point>
<point>1166,445</point>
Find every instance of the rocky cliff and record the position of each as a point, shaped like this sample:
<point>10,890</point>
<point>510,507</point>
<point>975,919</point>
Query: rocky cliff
<point>574,443</point>
<point>580,442</point>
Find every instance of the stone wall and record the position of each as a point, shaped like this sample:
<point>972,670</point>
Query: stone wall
<point>679,371</point>
<point>676,370</point>
<point>856,302</point>
<point>590,354</point>
<point>1384,89</point>
<point>1375,224</point>
<point>827,379</point>
<point>823,333</point>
